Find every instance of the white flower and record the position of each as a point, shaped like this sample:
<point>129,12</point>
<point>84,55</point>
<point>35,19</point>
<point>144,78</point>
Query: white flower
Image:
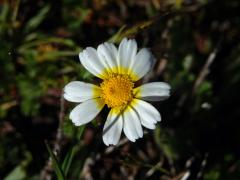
<point>119,69</point>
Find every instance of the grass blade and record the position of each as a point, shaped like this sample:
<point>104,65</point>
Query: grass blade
<point>68,160</point>
<point>56,165</point>
<point>34,22</point>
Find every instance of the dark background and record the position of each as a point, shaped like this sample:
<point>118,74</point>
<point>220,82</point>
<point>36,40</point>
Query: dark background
<point>197,47</point>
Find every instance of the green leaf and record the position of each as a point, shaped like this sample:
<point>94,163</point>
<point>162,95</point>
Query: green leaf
<point>46,40</point>
<point>213,174</point>
<point>68,160</point>
<point>4,12</point>
<point>166,142</point>
<point>34,22</point>
<point>17,173</point>
<point>54,55</point>
<point>56,164</point>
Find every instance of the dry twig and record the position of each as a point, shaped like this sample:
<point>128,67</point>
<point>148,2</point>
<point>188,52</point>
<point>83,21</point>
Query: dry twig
<point>205,70</point>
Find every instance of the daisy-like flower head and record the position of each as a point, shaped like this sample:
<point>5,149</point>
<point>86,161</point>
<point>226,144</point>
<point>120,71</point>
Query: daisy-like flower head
<point>119,69</point>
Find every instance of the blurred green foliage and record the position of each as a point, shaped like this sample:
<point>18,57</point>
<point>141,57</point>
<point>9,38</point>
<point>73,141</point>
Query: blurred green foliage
<point>39,46</point>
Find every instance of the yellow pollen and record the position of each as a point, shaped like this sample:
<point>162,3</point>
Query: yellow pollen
<point>117,90</point>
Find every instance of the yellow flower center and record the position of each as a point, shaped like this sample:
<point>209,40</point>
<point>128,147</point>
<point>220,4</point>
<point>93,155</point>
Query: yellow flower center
<point>117,90</point>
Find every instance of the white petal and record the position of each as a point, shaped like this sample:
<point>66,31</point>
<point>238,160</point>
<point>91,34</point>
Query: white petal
<point>72,98</point>
<point>131,124</point>
<point>154,91</point>
<point>112,129</point>
<point>90,60</point>
<point>108,53</point>
<point>142,63</point>
<point>86,111</point>
<point>78,91</point>
<point>126,52</point>
<point>149,115</point>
